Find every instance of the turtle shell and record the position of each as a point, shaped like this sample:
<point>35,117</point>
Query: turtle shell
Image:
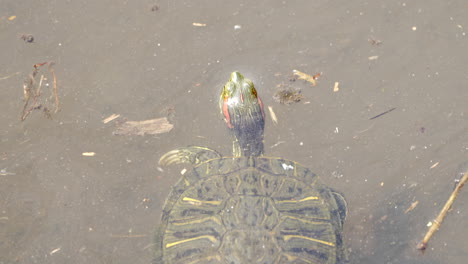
<point>246,210</point>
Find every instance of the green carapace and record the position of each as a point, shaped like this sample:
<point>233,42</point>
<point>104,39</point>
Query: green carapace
<point>248,208</point>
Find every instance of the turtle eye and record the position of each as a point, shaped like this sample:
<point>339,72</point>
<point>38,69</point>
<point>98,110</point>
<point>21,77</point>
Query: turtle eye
<point>254,92</point>
<point>228,89</point>
<point>248,87</point>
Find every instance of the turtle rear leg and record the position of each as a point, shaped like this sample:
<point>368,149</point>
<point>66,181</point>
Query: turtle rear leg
<point>342,206</point>
<point>191,154</point>
<point>342,254</point>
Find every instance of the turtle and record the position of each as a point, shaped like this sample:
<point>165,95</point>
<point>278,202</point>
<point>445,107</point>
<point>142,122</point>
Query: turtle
<point>247,208</point>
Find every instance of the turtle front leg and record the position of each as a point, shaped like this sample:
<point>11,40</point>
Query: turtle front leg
<point>191,154</point>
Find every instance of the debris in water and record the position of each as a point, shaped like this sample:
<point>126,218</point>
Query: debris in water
<point>375,42</point>
<point>110,118</point>
<point>307,77</point>
<point>273,115</point>
<point>9,76</point>
<point>27,38</point>
<point>33,92</point>
<point>412,206</point>
<point>386,112</point>
<point>288,95</point>
<point>55,251</point>
<point>440,218</point>
<point>146,127</point>
<point>4,172</point>
<point>277,144</point>
<point>336,88</point>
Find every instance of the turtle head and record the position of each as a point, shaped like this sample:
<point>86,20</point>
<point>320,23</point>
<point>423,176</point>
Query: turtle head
<point>243,112</point>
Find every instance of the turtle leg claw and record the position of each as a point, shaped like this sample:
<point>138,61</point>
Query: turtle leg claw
<point>192,154</point>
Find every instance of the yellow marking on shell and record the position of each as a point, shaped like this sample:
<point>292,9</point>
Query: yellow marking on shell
<point>288,237</point>
<point>211,238</point>
<point>198,221</point>
<point>299,201</point>
<point>199,202</point>
<point>307,221</point>
<point>207,169</point>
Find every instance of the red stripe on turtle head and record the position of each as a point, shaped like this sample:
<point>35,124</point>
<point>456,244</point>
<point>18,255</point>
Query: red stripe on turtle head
<point>227,117</point>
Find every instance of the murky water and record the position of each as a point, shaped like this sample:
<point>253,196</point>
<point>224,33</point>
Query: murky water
<point>132,59</point>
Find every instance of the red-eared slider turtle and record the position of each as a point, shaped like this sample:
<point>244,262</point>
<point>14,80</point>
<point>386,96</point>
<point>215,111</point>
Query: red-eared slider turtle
<point>248,208</point>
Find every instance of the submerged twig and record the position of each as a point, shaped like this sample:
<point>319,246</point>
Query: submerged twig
<point>438,221</point>
<point>8,76</point>
<point>386,112</point>
<point>51,69</point>
<point>32,95</point>
<point>29,91</point>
